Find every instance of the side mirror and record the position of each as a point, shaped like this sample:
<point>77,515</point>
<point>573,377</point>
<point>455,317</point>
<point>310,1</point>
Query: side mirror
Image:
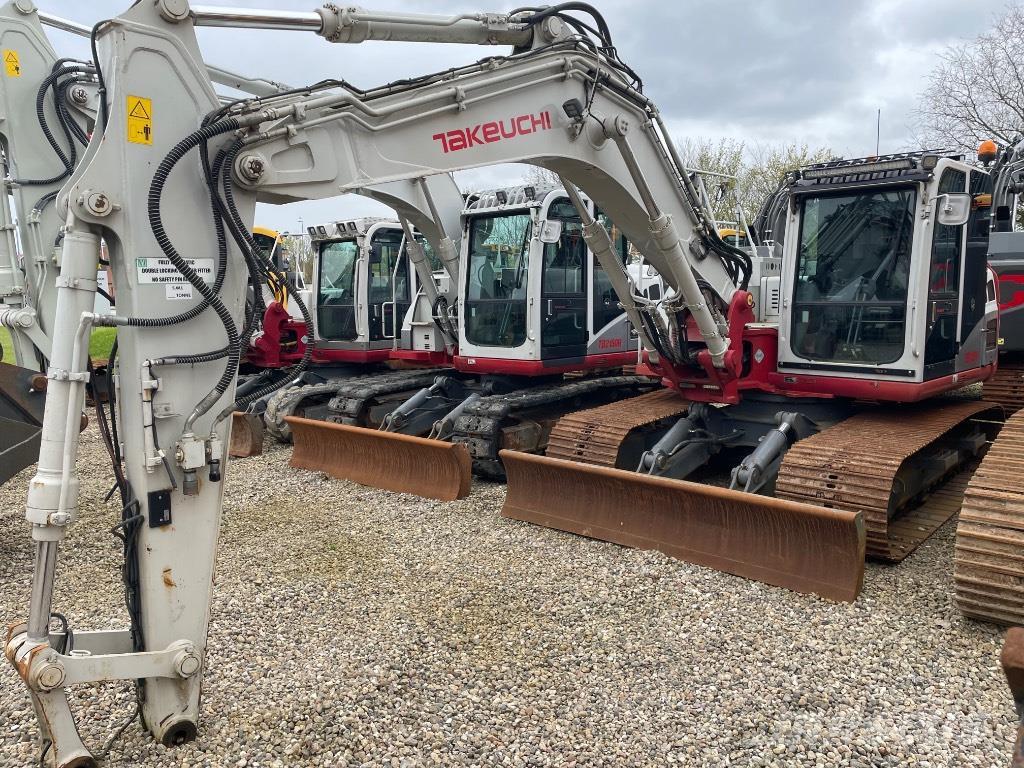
<point>551,232</point>
<point>953,208</point>
<point>374,255</point>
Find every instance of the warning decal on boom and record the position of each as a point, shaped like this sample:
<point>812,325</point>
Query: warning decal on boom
<point>140,120</point>
<point>11,63</point>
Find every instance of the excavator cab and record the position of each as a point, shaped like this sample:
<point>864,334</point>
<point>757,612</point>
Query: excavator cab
<point>887,286</point>
<point>535,300</point>
<point>364,287</point>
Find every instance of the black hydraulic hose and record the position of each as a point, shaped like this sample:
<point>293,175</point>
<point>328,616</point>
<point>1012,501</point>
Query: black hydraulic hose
<point>45,200</point>
<point>68,122</point>
<point>156,188</point>
<point>198,309</point>
<point>67,160</point>
<point>221,167</point>
<point>247,243</point>
<point>104,111</point>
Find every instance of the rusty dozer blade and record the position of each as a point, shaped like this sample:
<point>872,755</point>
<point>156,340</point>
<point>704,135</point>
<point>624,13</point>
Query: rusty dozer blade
<point>246,435</point>
<point>21,417</point>
<point>394,462</point>
<point>783,543</point>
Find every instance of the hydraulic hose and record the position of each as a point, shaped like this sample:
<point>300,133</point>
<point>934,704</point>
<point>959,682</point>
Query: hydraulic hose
<point>156,188</point>
<point>67,160</point>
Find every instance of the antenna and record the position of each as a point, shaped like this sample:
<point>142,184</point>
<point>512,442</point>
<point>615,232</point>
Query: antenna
<point>878,132</point>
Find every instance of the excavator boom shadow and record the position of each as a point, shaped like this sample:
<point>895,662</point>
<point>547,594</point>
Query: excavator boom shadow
<point>797,546</point>
<point>394,462</point>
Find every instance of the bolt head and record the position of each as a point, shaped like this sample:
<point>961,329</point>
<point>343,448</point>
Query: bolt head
<point>252,167</point>
<point>173,10</point>
<point>187,663</point>
<point>50,676</point>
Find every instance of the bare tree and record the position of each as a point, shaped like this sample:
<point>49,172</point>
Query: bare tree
<point>976,91</point>
<point>755,171</point>
<point>300,253</point>
<point>767,164</point>
<point>738,176</point>
<point>722,164</point>
<point>540,177</point>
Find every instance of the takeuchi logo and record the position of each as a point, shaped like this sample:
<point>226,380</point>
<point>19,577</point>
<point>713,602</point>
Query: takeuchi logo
<point>495,130</point>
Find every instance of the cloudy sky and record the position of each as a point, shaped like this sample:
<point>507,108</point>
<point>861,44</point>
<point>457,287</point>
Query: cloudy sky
<point>763,71</point>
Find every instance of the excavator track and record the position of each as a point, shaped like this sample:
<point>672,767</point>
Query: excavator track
<point>595,435</point>
<point>856,465</point>
<point>988,570</point>
<point>1006,386</point>
<point>482,427</point>
<point>287,401</point>
<point>353,391</point>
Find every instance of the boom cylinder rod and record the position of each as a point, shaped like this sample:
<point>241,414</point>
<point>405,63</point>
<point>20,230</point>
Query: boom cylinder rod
<point>255,18</point>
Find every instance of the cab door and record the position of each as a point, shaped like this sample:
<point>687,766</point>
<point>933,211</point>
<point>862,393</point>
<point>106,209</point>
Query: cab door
<point>564,286</point>
<point>976,255</point>
<point>388,295</point>
<point>942,342</point>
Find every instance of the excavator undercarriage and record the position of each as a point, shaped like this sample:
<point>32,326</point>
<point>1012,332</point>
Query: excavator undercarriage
<point>899,473</point>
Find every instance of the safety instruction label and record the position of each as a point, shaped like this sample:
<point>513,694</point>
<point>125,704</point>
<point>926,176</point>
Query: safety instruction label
<point>140,120</point>
<point>160,270</point>
<point>11,63</point>
<point>178,292</point>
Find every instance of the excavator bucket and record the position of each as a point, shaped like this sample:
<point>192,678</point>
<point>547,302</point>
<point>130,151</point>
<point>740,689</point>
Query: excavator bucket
<point>787,544</point>
<point>394,462</point>
<point>21,416</point>
<point>246,435</point>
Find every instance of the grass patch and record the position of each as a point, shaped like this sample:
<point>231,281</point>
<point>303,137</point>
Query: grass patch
<point>99,345</point>
<point>101,342</point>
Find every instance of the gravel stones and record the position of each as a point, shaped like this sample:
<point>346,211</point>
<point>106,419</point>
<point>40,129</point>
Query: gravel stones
<point>358,627</point>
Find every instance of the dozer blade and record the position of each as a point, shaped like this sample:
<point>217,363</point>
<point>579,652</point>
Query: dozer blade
<point>246,435</point>
<point>787,544</point>
<point>394,462</point>
<point>21,416</point>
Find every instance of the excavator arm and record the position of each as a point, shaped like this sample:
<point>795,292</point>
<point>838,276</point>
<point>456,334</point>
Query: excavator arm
<point>170,182</point>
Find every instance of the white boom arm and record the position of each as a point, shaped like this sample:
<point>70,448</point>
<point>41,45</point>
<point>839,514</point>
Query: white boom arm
<point>28,286</point>
<point>559,102</point>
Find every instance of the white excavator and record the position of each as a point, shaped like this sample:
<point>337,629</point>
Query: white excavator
<point>172,175</point>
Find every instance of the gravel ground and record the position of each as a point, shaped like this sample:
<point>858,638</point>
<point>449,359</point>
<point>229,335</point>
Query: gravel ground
<point>359,627</point>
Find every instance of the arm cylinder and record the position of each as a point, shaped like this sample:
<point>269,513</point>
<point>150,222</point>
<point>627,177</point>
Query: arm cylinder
<point>356,25</point>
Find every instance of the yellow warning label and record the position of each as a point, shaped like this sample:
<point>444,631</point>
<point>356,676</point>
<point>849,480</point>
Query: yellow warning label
<point>11,63</point>
<point>140,120</point>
